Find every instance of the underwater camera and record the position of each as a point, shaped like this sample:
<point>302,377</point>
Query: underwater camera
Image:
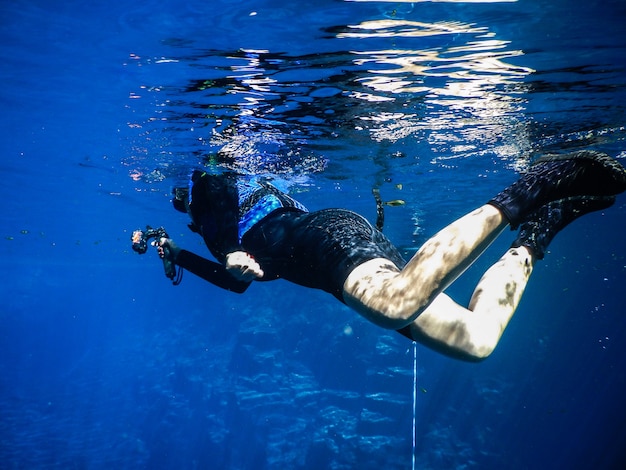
<point>140,239</point>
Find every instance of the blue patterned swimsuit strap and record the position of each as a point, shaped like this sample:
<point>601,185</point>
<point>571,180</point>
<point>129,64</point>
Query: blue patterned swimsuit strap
<point>259,199</point>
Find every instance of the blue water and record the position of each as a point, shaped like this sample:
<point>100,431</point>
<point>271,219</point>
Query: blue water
<point>107,105</point>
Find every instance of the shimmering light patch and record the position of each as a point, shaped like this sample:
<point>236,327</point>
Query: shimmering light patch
<point>396,126</point>
<point>462,75</point>
<point>478,63</point>
<point>404,28</point>
<point>369,97</point>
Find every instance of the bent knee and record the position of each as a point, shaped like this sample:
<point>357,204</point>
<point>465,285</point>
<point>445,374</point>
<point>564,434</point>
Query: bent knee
<point>482,341</point>
<point>479,353</point>
<point>375,290</point>
<point>460,342</point>
<point>380,314</point>
<point>468,353</point>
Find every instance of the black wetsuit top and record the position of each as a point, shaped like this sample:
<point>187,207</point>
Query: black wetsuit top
<point>313,249</point>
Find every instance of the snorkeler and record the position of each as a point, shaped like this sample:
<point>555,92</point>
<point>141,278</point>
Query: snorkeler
<point>257,232</point>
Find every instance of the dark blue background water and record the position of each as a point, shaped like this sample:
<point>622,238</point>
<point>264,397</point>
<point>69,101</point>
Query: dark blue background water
<point>107,105</point>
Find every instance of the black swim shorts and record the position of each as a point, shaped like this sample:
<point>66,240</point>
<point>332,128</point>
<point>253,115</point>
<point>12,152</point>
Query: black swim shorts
<point>317,249</point>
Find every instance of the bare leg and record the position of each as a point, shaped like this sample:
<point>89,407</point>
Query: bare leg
<point>473,334</point>
<point>393,299</point>
<point>552,193</point>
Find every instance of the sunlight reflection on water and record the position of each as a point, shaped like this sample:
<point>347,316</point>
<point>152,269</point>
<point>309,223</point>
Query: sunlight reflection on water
<point>469,86</point>
<point>455,89</point>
